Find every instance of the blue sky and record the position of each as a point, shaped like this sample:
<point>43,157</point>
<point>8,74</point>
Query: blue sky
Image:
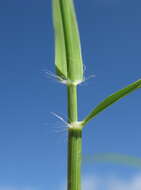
<point>32,143</point>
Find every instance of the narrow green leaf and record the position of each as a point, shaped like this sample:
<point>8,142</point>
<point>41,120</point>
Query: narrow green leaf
<point>111,99</point>
<point>114,158</point>
<point>60,50</point>
<point>68,50</point>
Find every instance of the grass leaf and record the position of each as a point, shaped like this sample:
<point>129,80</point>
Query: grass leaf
<point>116,158</point>
<point>68,59</point>
<point>60,50</point>
<point>112,99</point>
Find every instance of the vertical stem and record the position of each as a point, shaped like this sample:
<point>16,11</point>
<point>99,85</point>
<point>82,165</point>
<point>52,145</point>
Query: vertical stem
<point>72,103</point>
<point>74,159</point>
<point>74,142</point>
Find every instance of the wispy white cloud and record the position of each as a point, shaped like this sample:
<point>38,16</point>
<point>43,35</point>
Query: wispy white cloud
<point>90,182</point>
<point>131,184</point>
<point>109,183</point>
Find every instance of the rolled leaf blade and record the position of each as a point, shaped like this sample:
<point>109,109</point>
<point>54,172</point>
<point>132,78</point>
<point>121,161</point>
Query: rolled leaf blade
<point>68,48</point>
<point>60,50</point>
<point>112,99</point>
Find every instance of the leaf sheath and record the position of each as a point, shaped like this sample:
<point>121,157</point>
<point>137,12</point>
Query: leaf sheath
<point>68,59</point>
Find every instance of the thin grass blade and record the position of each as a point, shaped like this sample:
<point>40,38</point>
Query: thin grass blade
<point>68,49</point>
<point>60,50</point>
<point>117,159</point>
<point>112,99</point>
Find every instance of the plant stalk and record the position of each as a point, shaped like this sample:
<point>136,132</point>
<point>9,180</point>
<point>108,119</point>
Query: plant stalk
<point>72,103</point>
<point>74,142</point>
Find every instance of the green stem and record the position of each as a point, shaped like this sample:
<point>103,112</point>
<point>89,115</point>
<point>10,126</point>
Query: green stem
<point>72,103</point>
<point>74,159</point>
<point>74,142</point>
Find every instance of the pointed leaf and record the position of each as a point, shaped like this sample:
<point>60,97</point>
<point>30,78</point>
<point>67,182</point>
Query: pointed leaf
<point>68,50</point>
<point>111,99</point>
<point>60,50</point>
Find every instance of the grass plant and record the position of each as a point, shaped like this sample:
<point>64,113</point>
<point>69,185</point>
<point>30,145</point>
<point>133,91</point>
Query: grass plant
<point>69,69</point>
